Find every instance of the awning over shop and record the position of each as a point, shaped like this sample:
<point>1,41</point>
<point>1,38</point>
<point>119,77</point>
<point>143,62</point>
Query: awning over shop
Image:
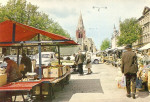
<point>12,32</point>
<point>147,46</point>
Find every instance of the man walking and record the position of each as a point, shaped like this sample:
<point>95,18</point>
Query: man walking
<point>129,68</point>
<point>79,60</point>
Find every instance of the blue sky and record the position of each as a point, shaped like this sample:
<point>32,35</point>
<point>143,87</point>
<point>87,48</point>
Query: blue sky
<point>98,24</point>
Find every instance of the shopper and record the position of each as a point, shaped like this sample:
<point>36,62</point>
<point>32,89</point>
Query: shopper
<point>12,70</point>
<point>26,61</point>
<point>79,60</point>
<point>88,62</point>
<point>129,69</point>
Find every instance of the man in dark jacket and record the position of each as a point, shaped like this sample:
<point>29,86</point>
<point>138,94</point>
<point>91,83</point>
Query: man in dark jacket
<point>27,64</point>
<point>79,60</point>
<point>129,68</point>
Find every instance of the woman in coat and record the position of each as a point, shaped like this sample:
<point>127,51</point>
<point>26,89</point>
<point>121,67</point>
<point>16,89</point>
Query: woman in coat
<point>88,62</point>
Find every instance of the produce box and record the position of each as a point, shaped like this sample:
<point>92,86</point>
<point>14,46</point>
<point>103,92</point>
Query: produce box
<point>54,63</point>
<point>46,73</point>
<point>36,90</point>
<point>67,68</point>
<point>148,81</point>
<point>56,72</point>
<point>64,70</point>
<point>3,79</point>
<point>45,89</point>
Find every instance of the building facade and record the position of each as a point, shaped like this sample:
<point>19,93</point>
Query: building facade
<point>144,21</point>
<point>86,44</point>
<point>114,38</point>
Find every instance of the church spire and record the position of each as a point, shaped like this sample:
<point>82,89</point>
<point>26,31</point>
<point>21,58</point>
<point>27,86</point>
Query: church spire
<point>80,32</point>
<point>80,23</point>
<point>114,27</point>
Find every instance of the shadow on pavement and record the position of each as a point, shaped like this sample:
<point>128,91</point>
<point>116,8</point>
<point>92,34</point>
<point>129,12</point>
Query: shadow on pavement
<point>78,86</point>
<point>142,94</point>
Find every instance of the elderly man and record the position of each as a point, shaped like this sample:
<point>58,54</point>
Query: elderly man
<point>129,69</point>
<point>12,70</point>
<point>79,60</point>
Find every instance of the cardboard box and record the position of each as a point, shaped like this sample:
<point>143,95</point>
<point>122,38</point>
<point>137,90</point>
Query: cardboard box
<point>64,70</point>
<point>3,79</point>
<point>45,89</point>
<point>148,81</point>
<point>36,90</point>
<point>67,68</point>
<point>46,73</point>
<point>55,72</point>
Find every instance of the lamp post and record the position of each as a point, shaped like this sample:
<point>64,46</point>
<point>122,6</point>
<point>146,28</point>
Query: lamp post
<point>94,7</point>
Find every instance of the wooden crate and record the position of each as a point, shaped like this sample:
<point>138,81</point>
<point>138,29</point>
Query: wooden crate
<point>46,73</point>
<point>56,72</point>
<point>3,79</point>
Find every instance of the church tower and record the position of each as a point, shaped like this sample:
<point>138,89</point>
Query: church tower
<point>80,32</point>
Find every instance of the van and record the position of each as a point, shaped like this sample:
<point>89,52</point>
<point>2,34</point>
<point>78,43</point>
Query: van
<point>46,58</point>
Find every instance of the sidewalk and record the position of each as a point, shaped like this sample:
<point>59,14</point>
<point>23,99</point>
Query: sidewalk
<point>97,87</point>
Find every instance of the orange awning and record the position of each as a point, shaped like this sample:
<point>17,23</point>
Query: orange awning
<point>25,33</point>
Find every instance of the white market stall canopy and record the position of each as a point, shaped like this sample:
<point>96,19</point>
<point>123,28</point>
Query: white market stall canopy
<point>147,46</point>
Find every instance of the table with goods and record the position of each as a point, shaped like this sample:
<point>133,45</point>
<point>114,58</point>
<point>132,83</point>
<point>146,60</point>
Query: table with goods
<point>32,86</point>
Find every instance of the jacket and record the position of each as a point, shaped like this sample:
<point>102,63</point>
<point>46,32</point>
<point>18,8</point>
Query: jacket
<point>80,58</point>
<point>129,62</point>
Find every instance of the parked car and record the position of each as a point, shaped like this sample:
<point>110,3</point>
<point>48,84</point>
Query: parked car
<point>69,58</point>
<point>46,58</point>
<point>95,59</point>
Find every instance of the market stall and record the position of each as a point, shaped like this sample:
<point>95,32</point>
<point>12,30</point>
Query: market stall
<point>144,66</point>
<point>14,34</point>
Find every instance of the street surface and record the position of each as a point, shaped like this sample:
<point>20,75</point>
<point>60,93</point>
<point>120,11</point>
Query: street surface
<point>100,86</point>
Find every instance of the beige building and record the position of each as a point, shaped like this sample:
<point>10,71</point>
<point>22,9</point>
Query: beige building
<point>144,21</point>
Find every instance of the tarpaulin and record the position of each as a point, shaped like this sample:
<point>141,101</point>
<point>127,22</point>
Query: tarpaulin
<point>25,33</point>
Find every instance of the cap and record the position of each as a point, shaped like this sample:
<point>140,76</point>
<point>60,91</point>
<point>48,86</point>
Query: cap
<point>128,46</point>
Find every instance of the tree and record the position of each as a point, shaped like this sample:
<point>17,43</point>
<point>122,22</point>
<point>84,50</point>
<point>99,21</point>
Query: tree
<point>20,11</point>
<point>105,44</point>
<point>130,32</point>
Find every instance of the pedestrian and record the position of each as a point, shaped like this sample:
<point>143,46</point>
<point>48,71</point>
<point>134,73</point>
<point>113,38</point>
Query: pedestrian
<point>129,68</point>
<point>26,61</point>
<point>12,70</point>
<point>88,62</point>
<point>80,58</point>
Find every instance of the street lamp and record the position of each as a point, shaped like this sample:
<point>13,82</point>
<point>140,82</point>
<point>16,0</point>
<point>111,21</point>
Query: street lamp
<point>94,7</point>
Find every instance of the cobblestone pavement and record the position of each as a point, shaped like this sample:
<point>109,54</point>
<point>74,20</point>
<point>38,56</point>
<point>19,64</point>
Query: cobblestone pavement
<point>100,86</point>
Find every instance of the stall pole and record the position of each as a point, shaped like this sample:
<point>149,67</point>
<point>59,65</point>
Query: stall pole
<point>18,55</point>
<point>40,60</point>
<point>22,49</point>
<point>13,33</point>
<point>59,55</point>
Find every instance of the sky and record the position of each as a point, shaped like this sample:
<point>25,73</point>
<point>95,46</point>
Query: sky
<point>99,25</point>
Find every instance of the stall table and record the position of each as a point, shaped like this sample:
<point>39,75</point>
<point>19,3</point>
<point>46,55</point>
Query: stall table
<point>20,87</point>
<point>15,87</point>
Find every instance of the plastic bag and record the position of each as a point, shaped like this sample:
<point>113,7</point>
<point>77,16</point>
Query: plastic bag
<point>138,83</point>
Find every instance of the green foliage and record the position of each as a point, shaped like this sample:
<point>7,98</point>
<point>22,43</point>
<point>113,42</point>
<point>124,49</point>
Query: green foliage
<point>130,32</point>
<point>105,44</point>
<point>26,13</point>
